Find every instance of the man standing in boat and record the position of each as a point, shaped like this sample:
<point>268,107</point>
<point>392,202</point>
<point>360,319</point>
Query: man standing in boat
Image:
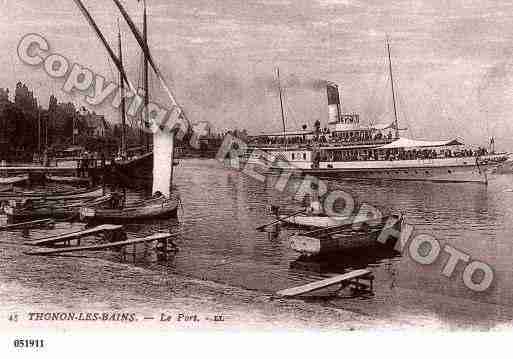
<point>315,204</point>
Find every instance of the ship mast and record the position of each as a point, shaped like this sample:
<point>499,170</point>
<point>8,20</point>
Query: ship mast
<point>281,106</point>
<point>145,138</point>
<point>123,101</point>
<point>396,122</point>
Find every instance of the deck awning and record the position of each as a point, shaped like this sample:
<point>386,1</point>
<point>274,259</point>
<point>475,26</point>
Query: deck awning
<point>383,126</point>
<point>409,143</point>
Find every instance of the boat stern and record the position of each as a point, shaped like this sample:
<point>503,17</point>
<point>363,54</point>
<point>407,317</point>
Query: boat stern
<point>305,245</point>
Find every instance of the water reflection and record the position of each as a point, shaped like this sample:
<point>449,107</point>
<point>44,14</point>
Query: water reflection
<point>344,261</point>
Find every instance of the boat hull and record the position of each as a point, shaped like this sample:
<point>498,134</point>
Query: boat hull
<point>152,209</point>
<point>352,237</point>
<point>139,169</point>
<point>60,211</point>
<point>463,169</point>
<point>86,193</point>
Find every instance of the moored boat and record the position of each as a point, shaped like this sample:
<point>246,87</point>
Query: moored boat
<point>158,207</point>
<point>347,149</point>
<point>32,209</point>
<point>314,221</point>
<point>50,196</point>
<point>349,236</point>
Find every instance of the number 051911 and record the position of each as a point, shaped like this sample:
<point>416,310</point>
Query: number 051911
<point>29,343</point>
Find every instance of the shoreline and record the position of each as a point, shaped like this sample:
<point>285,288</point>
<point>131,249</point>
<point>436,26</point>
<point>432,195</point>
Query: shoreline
<point>125,288</point>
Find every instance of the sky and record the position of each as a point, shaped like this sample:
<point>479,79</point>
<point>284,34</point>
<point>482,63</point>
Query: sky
<point>452,60</point>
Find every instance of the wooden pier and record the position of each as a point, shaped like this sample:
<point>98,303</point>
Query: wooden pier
<point>161,237</point>
<point>108,231</point>
<point>348,279</point>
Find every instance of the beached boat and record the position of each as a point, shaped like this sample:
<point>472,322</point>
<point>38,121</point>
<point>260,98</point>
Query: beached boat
<point>158,207</point>
<point>51,196</point>
<point>348,236</point>
<point>30,209</point>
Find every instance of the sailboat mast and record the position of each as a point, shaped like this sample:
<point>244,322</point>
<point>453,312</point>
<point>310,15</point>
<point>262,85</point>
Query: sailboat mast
<point>396,123</point>
<point>281,106</point>
<point>39,130</point>
<point>123,100</point>
<point>145,76</point>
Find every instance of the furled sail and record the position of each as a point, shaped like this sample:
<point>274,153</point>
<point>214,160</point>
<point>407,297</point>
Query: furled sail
<point>163,141</point>
<point>111,53</point>
<point>163,145</point>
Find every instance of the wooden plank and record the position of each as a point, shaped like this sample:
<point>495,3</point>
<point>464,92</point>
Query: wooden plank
<point>154,237</point>
<point>39,222</point>
<point>310,287</point>
<point>75,235</point>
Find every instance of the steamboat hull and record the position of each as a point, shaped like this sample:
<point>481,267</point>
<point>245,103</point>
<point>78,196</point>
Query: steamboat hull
<point>429,174</point>
<point>465,169</point>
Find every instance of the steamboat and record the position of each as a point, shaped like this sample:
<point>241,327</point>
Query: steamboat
<point>348,149</point>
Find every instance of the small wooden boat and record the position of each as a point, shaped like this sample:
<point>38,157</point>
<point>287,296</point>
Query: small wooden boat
<point>33,209</point>
<point>158,207</point>
<point>50,196</point>
<point>314,221</point>
<point>348,236</point>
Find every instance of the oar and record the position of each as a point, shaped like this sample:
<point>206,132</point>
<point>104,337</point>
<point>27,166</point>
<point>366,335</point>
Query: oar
<point>280,220</point>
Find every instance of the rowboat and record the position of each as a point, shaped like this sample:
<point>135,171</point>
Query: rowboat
<point>30,209</point>
<point>359,234</point>
<point>314,221</point>
<point>50,196</point>
<point>158,207</point>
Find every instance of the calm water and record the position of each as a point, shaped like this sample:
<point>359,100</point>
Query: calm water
<point>222,207</point>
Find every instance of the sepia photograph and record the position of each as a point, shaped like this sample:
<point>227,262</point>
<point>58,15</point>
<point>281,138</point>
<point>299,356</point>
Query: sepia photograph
<point>201,168</point>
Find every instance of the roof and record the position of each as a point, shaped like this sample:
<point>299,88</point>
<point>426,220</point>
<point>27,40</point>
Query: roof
<point>409,143</point>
